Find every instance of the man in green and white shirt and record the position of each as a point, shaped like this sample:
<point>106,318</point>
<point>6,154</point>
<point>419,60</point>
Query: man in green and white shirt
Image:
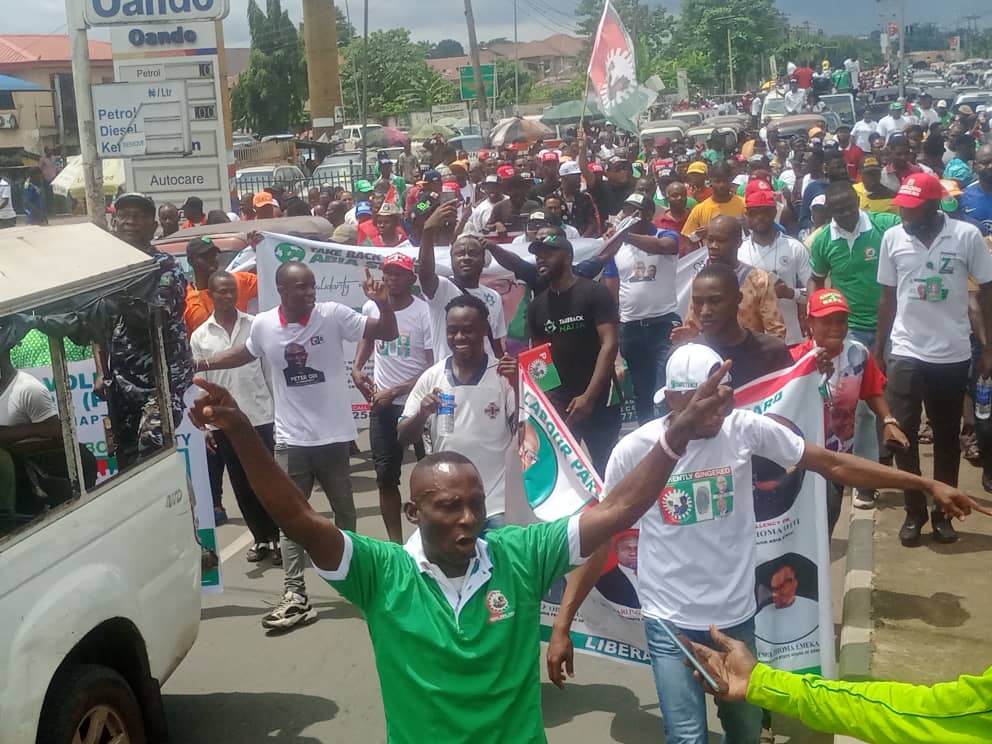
<point>454,619</point>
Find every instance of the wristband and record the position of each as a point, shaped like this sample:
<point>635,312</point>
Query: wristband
<point>891,420</point>
<point>667,448</point>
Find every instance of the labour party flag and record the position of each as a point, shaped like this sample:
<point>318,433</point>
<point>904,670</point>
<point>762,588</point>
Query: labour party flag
<point>613,73</point>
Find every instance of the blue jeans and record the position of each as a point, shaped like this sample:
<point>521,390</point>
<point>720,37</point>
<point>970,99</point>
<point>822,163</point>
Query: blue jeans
<point>645,345</point>
<point>683,702</point>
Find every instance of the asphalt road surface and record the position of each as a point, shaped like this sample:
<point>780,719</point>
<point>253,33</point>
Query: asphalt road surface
<point>318,684</point>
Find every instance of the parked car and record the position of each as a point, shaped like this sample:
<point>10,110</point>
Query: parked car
<point>351,135</point>
<point>841,104</point>
<point>99,571</point>
<point>258,177</point>
<point>674,129</point>
<point>691,117</point>
<point>470,143</point>
<point>973,99</point>
<point>799,124</point>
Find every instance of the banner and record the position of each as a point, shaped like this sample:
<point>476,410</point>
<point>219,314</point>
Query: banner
<point>90,413</point>
<point>794,628</point>
<point>340,271</point>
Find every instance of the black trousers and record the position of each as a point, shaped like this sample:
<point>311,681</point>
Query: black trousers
<point>599,432</point>
<point>262,528</point>
<point>215,469</point>
<point>941,388</point>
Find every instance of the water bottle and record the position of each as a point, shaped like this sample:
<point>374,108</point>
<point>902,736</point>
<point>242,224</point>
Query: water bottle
<point>983,398</point>
<point>446,414</point>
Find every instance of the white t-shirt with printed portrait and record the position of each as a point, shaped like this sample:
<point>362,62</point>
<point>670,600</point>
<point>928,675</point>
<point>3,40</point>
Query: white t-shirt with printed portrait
<point>931,322</point>
<point>695,567</point>
<point>406,356</point>
<point>647,283</point>
<point>307,369</point>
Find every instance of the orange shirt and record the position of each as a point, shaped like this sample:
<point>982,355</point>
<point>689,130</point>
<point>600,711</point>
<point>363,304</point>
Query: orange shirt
<point>199,306</point>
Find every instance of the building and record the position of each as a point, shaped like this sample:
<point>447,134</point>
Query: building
<point>44,60</point>
<point>551,61</point>
<point>27,116</point>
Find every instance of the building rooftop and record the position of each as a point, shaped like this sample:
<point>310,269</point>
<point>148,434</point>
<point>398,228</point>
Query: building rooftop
<point>559,45</point>
<point>28,49</point>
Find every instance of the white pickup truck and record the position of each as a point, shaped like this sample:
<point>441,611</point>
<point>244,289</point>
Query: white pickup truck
<point>99,569</point>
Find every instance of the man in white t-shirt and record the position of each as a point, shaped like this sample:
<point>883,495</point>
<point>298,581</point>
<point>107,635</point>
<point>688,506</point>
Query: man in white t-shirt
<point>923,268</point>
<point>468,256</point>
<point>696,568</point>
<point>864,128</point>
<point>301,343</point>
<point>8,217</point>
<point>27,412</point>
<point>645,266</point>
<point>481,217</point>
<point>483,419</point>
<point>785,258</point>
<point>398,365</point>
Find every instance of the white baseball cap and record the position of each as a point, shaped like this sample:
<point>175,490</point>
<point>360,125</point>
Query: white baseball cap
<point>569,168</point>
<point>689,367</point>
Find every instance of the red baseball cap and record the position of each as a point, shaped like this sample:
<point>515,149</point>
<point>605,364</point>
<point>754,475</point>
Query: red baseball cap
<point>825,302</point>
<point>398,259</point>
<point>506,172</point>
<point>595,168</point>
<point>549,155</point>
<point>918,189</point>
<point>483,154</point>
<point>759,194</point>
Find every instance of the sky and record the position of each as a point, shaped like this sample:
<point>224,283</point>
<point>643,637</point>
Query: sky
<point>537,19</point>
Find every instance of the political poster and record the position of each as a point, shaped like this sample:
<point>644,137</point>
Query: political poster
<point>91,412</point>
<point>794,627</point>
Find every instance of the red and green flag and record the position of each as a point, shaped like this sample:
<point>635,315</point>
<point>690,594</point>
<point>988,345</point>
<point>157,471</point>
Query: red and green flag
<point>613,73</point>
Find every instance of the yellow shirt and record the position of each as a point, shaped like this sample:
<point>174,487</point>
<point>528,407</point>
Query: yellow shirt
<point>873,205</point>
<point>708,210</point>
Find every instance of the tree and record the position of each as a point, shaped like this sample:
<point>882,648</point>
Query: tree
<point>505,92</point>
<point>447,48</point>
<point>398,74</point>
<point>268,97</point>
<point>346,32</point>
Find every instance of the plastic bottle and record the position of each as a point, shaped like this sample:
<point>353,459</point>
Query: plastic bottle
<point>983,398</point>
<point>446,414</point>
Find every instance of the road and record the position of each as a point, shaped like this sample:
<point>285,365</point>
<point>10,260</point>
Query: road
<point>318,684</point>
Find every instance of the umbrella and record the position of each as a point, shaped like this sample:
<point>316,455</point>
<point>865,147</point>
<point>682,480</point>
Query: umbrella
<point>426,131</point>
<point>69,182</point>
<point>516,129</point>
<point>386,137</point>
<point>570,112</point>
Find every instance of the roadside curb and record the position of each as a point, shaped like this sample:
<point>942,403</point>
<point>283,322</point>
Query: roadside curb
<point>854,658</point>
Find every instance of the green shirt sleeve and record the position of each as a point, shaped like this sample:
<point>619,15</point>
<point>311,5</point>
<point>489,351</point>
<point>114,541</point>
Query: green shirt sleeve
<point>817,259</point>
<point>545,550</point>
<point>363,567</point>
<point>880,712</point>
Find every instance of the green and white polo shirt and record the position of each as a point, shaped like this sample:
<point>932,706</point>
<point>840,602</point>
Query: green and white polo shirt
<point>459,667</point>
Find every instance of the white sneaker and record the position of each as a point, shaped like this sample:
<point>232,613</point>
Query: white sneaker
<point>292,610</point>
<point>864,498</point>
<point>767,736</point>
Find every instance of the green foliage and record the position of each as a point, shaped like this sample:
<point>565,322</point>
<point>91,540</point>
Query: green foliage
<point>269,96</point>
<point>504,88</point>
<point>346,32</point>
<point>399,77</point>
<point>447,48</point>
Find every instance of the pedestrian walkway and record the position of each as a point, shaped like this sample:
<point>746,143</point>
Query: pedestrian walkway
<point>931,604</point>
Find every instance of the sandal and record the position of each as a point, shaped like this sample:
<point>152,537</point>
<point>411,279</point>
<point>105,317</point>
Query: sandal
<point>257,553</point>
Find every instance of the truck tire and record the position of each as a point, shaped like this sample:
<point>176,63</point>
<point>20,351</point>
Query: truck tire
<point>85,696</point>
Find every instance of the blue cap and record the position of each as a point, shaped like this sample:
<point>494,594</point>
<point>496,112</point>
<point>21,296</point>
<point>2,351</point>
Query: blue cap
<point>432,175</point>
<point>363,208</point>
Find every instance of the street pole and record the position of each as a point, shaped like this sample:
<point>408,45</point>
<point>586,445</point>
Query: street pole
<point>730,60</point>
<point>516,63</point>
<point>480,88</point>
<point>902,49</point>
<point>365,90</point>
<point>92,166</point>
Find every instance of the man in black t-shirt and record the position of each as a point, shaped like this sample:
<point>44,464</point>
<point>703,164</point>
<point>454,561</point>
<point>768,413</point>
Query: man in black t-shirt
<point>580,319</point>
<point>716,297</point>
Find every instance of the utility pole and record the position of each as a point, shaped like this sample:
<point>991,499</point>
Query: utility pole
<point>92,166</point>
<point>320,38</point>
<point>365,89</point>
<point>516,63</point>
<point>902,49</point>
<point>730,60</point>
<point>480,88</point>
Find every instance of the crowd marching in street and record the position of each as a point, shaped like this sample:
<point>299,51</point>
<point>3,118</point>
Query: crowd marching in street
<point>867,246</point>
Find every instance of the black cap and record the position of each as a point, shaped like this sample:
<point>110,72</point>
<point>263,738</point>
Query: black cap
<point>135,199</point>
<point>846,127</point>
<point>193,202</point>
<point>553,240</point>
<point>201,246</point>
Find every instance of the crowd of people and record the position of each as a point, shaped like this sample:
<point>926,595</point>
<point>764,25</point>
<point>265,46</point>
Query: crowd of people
<point>876,259</point>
